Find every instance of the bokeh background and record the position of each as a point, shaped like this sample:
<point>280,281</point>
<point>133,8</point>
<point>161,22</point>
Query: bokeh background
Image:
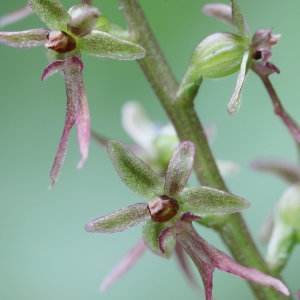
<point>45,252</point>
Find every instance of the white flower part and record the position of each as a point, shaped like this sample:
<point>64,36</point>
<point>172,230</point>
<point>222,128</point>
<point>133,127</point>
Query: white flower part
<point>227,167</point>
<point>138,126</point>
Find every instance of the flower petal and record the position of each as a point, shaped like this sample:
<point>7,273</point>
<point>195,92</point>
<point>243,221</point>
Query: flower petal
<point>54,68</point>
<point>206,201</point>
<point>238,20</point>
<point>219,11</point>
<point>73,74</point>
<point>288,171</point>
<point>123,266</point>
<point>120,220</point>
<point>235,101</point>
<point>84,18</point>
<point>151,234</point>
<point>102,44</point>
<point>24,39</point>
<point>15,16</point>
<point>180,168</point>
<point>136,174</point>
<point>51,12</point>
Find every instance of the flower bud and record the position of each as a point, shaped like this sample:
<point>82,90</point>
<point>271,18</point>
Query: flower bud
<point>219,55</point>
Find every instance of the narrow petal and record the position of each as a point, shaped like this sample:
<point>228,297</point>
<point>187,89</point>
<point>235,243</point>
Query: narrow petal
<point>54,68</point>
<point>102,44</point>
<point>84,18</point>
<point>15,16</point>
<point>136,174</point>
<point>238,20</point>
<point>288,171</point>
<point>152,233</point>
<point>73,74</point>
<point>235,101</point>
<point>24,39</point>
<point>180,168</point>
<point>206,201</point>
<point>185,266</point>
<point>120,220</point>
<point>123,266</point>
<point>219,11</point>
<point>51,12</point>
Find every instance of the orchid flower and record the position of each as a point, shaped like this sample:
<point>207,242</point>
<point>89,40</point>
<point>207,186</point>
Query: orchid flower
<point>80,29</point>
<point>169,200</point>
<point>222,54</point>
<point>281,232</point>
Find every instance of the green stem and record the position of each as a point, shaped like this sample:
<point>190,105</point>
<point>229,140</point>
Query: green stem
<point>178,104</point>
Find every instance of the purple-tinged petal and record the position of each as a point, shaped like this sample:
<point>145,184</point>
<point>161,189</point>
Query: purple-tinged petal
<point>220,11</point>
<point>15,16</point>
<point>184,265</point>
<point>75,90</point>
<point>24,39</point>
<point>235,101</point>
<point>123,266</point>
<point>180,168</point>
<point>288,171</point>
<point>53,68</point>
<point>120,220</point>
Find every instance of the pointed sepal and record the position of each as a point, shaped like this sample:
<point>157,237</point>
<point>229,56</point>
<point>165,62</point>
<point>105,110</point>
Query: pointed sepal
<point>102,44</point>
<point>51,12</point>
<point>180,168</point>
<point>205,201</point>
<point>136,174</point>
<point>24,39</point>
<point>120,220</point>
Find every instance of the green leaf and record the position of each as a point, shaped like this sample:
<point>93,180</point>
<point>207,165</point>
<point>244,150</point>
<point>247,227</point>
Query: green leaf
<point>120,220</point>
<point>135,173</point>
<point>180,168</point>
<point>235,101</point>
<point>102,44</point>
<point>51,12</point>
<point>206,201</point>
<point>151,232</point>
<point>24,39</point>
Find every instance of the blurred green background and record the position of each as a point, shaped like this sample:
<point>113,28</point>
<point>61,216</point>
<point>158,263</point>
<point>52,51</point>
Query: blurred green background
<point>45,252</point>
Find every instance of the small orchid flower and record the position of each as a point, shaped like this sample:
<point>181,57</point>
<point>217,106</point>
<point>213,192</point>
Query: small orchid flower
<point>168,198</point>
<point>80,29</point>
<point>222,54</point>
<point>281,232</point>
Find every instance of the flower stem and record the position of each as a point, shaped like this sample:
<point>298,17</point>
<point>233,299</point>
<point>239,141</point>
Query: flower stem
<point>178,104</point>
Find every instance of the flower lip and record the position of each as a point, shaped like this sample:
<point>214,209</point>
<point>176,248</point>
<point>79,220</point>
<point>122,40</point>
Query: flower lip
<point>163,208</point>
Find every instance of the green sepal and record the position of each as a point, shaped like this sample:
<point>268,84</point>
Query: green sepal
<point>120,220</point>
<point>102,44</point>
<point>205,201</point>
<point>179,169</point>
<point>135,173</point>
<point>151,232</point>
<point>51,12</point>
<point>238,20</point>
<point>24,39</point>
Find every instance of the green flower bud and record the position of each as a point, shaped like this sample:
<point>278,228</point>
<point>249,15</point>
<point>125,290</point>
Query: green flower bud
<point>219,55</point>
